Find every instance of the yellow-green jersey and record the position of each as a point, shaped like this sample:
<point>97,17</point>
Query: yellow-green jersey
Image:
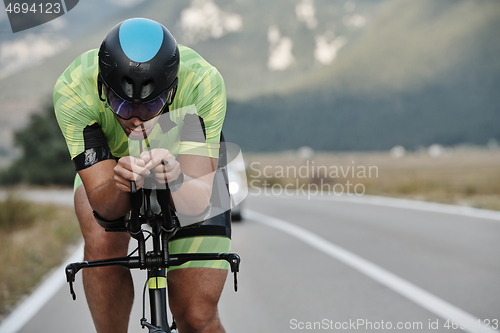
<point>192,126</point>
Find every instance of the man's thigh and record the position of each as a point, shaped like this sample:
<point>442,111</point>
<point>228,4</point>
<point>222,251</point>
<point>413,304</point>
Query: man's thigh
<point>201,244</point>
<point>198,283</point>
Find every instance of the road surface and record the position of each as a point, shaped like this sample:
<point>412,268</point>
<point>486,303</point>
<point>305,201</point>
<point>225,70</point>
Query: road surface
<point>330,264</point>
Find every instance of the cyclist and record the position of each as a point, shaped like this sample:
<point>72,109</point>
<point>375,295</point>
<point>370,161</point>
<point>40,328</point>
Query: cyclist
<point>141,86</point>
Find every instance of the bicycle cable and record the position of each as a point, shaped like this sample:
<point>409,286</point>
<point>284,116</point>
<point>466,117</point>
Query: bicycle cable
<point>144,303</point>
<point>150,234</point>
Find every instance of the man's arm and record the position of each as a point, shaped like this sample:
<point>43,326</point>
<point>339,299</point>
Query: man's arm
<point>107,183</point>
<point>104,196</point>
<point>193,196</point>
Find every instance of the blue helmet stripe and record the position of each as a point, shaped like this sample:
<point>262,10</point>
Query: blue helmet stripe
<point>140,39</point>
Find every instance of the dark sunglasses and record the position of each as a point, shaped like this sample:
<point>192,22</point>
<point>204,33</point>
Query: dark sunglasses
<point>144,111</point>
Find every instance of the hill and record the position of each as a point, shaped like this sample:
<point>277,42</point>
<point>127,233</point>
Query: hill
<point>336,75</point>
<point>419,73</point>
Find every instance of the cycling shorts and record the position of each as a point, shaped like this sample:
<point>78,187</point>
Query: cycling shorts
<point>212,236</point>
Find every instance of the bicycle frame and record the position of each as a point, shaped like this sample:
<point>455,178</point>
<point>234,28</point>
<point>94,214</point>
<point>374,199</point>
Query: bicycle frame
<point>163,227</point>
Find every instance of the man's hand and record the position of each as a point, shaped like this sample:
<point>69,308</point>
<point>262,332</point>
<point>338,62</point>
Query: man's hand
<point>158,162</point>
<point>162,164</point>
<point>130,169</point>
<point>194,196</point>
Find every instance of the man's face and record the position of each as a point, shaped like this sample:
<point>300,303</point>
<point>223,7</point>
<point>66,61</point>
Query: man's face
<point>130,115</point>
<point>137,129</point>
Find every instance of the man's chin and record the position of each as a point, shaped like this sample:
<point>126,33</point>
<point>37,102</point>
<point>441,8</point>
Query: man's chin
<point>140,132</point>
<point>135,135</point>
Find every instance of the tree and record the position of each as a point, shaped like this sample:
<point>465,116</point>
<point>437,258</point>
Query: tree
<point>44,157</point>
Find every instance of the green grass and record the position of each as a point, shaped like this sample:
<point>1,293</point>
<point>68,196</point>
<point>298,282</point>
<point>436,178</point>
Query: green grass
<point>15,214</point>
<point>35,238</point>
<point>461,177</point>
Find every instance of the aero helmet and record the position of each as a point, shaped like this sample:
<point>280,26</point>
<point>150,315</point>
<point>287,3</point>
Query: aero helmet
<point>138,64</point>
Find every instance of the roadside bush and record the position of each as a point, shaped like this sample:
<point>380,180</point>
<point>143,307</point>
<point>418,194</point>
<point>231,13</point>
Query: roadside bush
<point>15,214</point>
<point>45,159</point>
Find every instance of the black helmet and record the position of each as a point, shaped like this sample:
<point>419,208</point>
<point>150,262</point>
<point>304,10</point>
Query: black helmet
<point>139,61</point>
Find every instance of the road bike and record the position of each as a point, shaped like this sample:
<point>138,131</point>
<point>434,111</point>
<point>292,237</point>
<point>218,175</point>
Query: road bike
<point>160,227</point>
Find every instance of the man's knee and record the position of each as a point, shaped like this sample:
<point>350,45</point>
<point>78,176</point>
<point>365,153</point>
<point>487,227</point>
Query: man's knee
<point>194,295</point>
<point>198,318</point>
<point>99,243</point>
<point>106,246</point>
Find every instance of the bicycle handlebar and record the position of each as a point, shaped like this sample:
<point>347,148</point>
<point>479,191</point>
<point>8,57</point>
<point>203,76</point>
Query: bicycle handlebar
<point>153,261</point>
<point>165,224</point>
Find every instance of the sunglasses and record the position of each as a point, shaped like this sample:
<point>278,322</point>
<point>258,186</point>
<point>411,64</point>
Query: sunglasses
<point>144,111</point>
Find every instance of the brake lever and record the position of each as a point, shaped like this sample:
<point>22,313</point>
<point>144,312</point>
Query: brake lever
<point>235,268</point>
<point>71,271</point>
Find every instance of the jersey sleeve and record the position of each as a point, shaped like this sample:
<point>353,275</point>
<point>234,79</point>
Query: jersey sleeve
<point>71,117</point>
<point>203,122</point>
<point>76,107</point>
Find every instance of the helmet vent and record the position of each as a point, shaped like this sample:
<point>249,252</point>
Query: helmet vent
<point>147,88</point>
<point>128,86</point>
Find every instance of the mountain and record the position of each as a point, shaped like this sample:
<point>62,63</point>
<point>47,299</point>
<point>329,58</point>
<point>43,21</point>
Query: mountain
<point>333,75</point>
<point>419,73</point>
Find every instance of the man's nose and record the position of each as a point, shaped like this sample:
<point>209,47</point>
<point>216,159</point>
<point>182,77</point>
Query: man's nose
<point>136,121</point>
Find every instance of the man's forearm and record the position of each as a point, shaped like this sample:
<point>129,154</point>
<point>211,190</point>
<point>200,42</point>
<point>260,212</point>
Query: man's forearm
<point>109,202</point>
<point>193,197</point>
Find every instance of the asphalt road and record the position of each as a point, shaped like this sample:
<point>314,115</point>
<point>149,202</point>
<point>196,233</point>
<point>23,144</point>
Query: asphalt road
<point>341,265</point>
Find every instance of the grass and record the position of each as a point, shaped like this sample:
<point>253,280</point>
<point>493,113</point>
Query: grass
<point>15,214</point>
<point>469,177</point>
<point>35,238</point>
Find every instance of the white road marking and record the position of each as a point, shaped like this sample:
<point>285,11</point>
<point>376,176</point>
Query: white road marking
<point>31,305</point>
<point>432,303</point>
<point>432,207</point>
